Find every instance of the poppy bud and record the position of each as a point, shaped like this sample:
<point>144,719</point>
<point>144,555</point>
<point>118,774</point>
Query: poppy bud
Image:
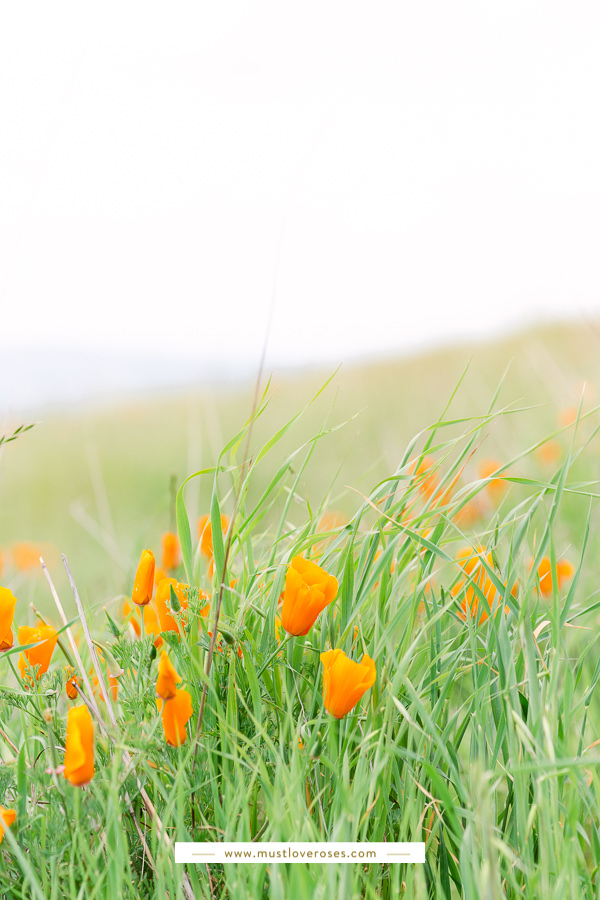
<point>143,585</point>
<point>71,683</point>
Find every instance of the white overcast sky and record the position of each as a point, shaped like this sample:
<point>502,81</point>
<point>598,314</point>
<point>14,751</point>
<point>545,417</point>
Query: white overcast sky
<point>393,173</point>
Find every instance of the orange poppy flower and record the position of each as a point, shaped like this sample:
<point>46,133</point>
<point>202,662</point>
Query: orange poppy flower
<point>170,550</point>
<point>79,746</point>
<point>40,655</point>
<point>345,681</point>
<point>308,590</point>
<point>168,678</point>
<point>163,602</point>
<point>7,817</point>
<point>143,585</point>
<point>564,572</point>
<point>71,683</point>
<point>175,714</point>
<point>8,603</point>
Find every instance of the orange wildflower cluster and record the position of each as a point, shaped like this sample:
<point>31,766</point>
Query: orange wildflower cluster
<point>477,583</point>
<point>157,611</point>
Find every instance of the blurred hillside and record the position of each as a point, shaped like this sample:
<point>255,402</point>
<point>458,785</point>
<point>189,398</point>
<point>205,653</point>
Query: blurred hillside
<point>97,484</point>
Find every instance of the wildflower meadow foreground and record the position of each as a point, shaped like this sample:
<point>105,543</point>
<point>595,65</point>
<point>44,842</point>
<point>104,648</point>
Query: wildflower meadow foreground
<point>422,667</point>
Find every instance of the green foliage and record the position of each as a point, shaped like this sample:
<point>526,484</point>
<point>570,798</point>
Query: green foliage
<point>478,737</point>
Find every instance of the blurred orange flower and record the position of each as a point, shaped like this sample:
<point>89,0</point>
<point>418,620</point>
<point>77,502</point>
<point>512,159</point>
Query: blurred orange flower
<point>113,681</point>
<point>8,603</point>
<point>166,683</point>
<point>7,817</point>
<point>159,574</point>
<point>549,452</point>
<point>496,487</point>
<point>175,714</point>
<point>40,655</point>
<point>567,416</point>
<point>26,555</point>
<point>345,681</point>
<point>79,746</point>
<point>143,585</point>
<point>308,590</point>
<point>205,534</point>
<point>564,571</point>
<point>426,477</point>
<point>170,550</point>
<point>477,583</point>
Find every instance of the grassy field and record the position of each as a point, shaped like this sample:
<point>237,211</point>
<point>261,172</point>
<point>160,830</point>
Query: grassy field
<point>479,733</point>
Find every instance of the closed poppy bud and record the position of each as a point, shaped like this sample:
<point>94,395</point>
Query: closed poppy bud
<point>40,655</point>
<point>175,714</point>
<point>8,603</point>
<point>308,590</point>
<point>71,683</point>
<point>170,550</point>
<point>166,683</point>
<point>345,681</point>
<point>144,579</point>
<point>79,746</point>
<point>7,817</point>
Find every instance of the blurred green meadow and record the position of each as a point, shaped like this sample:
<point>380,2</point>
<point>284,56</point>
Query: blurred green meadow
<point>98,485</point>
<point>480,734</point>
